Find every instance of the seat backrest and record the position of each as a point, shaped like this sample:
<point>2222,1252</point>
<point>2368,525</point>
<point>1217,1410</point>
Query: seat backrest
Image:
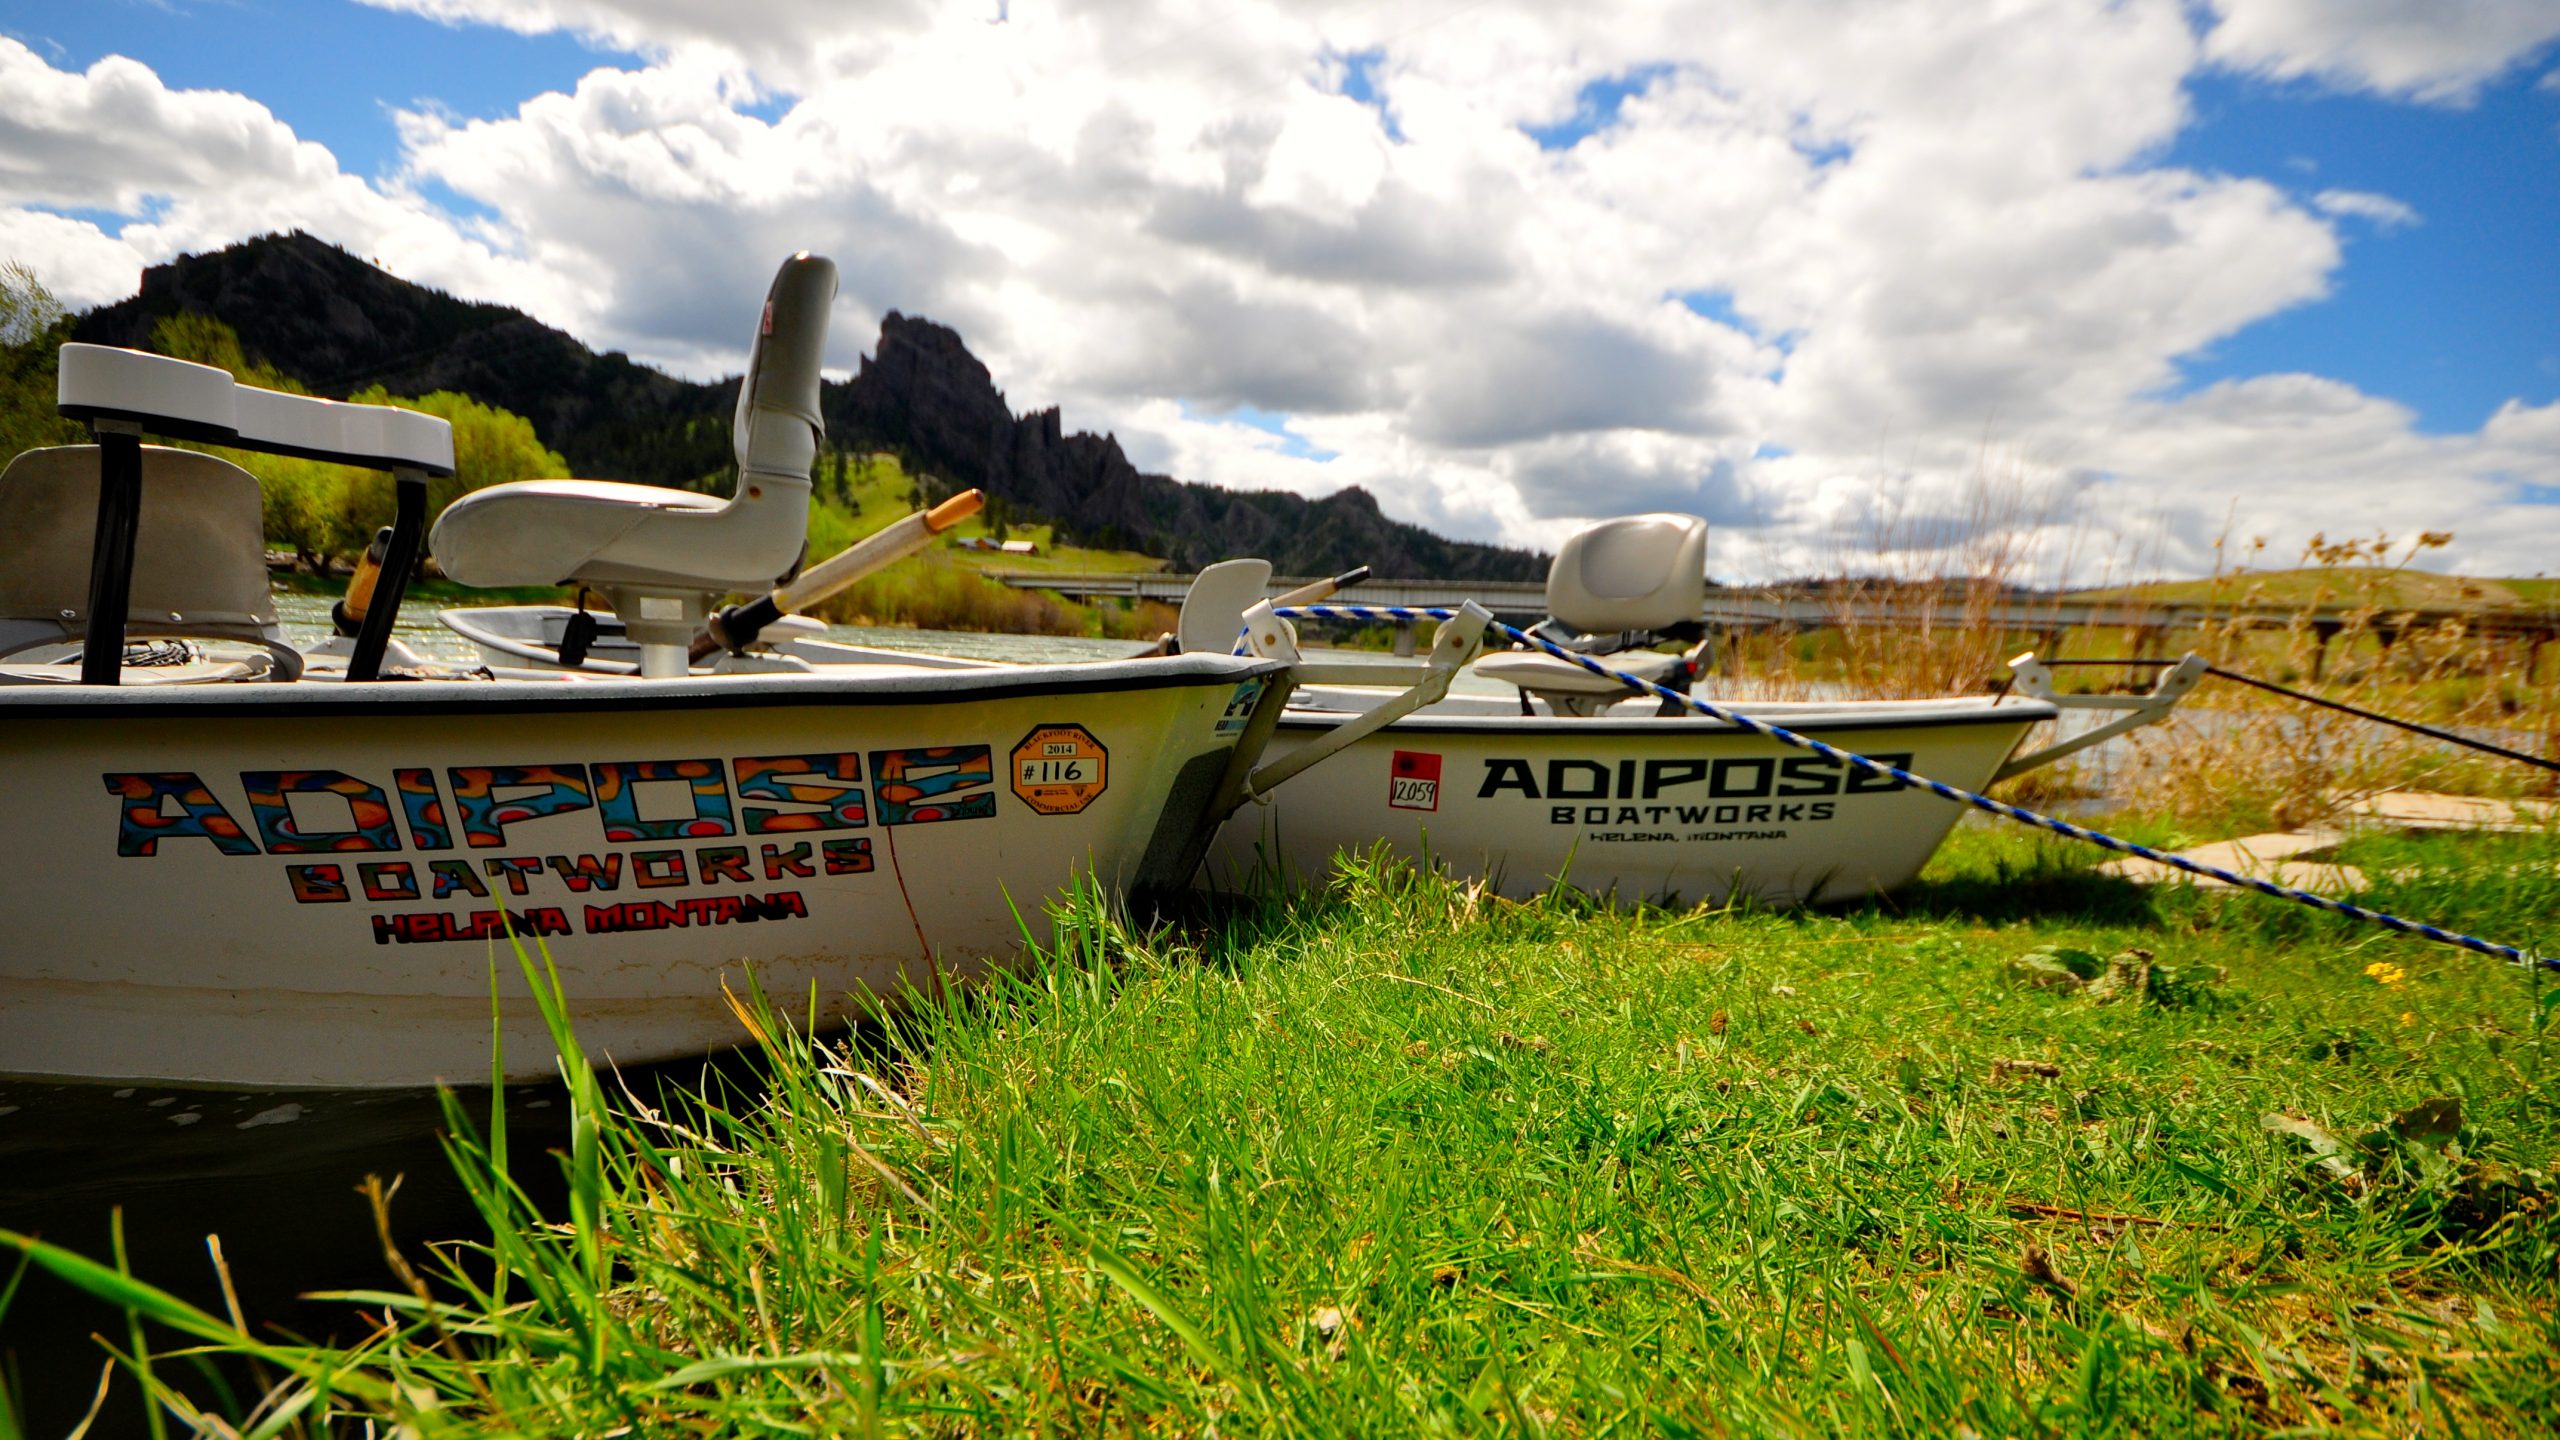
<point>1637,572</point>
<point>200,564</point>
<point>778,426</point>
<point>1213,609</point>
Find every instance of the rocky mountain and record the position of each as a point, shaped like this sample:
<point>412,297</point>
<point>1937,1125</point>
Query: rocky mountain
<point>338,324</point>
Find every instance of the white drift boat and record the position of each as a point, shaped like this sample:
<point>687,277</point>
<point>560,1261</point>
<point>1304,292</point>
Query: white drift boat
<point>230,861</point>
<point>1584,781</point>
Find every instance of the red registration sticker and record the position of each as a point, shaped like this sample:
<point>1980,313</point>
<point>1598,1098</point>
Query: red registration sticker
<point>1413,781</point>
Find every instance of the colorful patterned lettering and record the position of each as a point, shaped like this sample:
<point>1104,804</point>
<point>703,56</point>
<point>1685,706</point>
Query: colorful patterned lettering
<point>486,814</point>
<point>918,787</point>
<point>618,800</point>
<point>454,877</point>
<point>847,857</point>
<point>715,863</point>
<point>392,881</point>
<point>656,869</point>
<point>368,808</point>
<point>145,821</point>
<point>316,884</point>
<point>582,873</point>
<point>425,808</point>
<point>790,778</point>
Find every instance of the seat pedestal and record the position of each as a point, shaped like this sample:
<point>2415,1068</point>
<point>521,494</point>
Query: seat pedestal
<point>662,622</point>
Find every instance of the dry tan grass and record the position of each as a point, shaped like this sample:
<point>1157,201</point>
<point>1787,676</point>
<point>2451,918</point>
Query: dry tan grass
<point>2338,627</point>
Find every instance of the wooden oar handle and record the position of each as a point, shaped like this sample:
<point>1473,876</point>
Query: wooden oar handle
<point>736,627</point>
<point>1322,589</point>
<point>954,510</point>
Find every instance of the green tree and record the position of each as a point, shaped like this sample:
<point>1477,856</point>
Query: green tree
<point>328,512</point>
<point>490,446</point>
<point>33,326</point>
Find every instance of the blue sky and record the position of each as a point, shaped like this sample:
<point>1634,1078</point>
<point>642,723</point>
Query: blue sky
<point>1457,296</point>
<point>2452,314</point>
<point>333,71</point>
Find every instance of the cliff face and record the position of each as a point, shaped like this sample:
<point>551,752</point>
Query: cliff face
<point>923,394</point>
<point>338,324</point>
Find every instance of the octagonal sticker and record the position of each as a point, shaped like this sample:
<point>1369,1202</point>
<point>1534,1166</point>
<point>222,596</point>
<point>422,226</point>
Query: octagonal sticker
<point>1060,769</point>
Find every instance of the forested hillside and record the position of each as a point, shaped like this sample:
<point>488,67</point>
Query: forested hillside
<point>328,322</point>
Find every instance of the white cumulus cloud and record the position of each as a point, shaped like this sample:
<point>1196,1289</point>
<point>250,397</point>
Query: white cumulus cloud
<point>2428,49</point>
<point>1801,267</point>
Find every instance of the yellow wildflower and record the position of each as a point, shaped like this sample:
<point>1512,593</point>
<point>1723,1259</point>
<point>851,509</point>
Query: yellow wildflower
<point>2386,973</point>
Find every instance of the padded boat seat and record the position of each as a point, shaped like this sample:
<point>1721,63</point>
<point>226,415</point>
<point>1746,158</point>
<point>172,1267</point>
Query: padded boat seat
<point>1615,583</point>
<point>200,568</point>
<point>548,532</point>
<point>1540,673</point>
<point>663,555</point>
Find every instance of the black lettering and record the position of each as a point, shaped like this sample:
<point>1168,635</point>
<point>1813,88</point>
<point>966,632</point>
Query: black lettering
<point>1595,814</point>
<point>1597,786</point>
<point>1502,775</point>
<point>1866,782</point>
<point>1560,815</point>
<point>1808,775</point>
<point>1626,779</point>
<point>1759,771</point>
<point>1756,814</point>
<point>1661,775</point>
<point>1822,810</point>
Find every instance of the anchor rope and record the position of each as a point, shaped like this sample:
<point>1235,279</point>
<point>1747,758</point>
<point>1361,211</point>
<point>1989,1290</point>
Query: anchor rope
<point>2412,726</point>
<point>1942,790</point>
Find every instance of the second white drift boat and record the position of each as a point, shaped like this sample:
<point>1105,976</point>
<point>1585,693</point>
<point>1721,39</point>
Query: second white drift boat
<point>1581,780</point>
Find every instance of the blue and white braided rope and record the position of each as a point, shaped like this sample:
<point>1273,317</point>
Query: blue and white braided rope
<point>1943,791</point>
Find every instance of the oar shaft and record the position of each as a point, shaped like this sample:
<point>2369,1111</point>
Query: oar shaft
<point>886,546</point>
<point>1322,589</point>
<point>734,627</point>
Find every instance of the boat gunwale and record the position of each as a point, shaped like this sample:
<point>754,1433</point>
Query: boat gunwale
<point>1821,717</point>
<point>626,694</point>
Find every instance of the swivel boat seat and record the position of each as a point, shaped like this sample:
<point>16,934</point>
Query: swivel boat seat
<point>199,569</point>
<point>663,557</point>
<point>1615,590</point>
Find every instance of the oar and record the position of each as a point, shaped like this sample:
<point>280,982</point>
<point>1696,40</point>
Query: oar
<point>736,627</point>
<point>1171,644</point>
<point>1322,589</point>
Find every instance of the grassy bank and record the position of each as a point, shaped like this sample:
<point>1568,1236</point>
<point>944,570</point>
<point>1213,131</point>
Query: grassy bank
<point>1403,1159</point>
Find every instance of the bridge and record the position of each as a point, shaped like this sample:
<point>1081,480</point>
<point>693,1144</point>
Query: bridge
<point>1733,608</point>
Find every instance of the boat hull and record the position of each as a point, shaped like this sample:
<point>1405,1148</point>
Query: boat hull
<point>1682,810</point>
<point>312,885</point>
